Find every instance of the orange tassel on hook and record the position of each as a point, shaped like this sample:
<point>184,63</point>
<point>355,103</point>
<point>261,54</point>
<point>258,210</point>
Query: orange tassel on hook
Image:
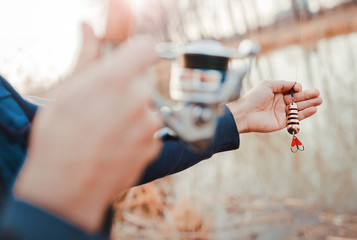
<point>293,124</point>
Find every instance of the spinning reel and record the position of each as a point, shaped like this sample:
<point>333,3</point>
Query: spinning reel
<point>203,77</point>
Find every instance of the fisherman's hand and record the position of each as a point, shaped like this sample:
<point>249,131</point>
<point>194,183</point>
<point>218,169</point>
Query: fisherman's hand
<point>94,138</point>
<point>91,48</point>
<point>264,107</point>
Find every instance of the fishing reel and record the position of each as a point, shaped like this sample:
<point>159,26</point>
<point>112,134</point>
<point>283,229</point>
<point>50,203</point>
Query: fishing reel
<point>203,77</point>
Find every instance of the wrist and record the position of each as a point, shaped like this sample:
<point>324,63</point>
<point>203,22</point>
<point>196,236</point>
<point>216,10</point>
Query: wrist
<point>240,113</point>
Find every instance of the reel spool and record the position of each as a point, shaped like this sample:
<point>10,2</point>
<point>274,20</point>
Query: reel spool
<point>202,79</point>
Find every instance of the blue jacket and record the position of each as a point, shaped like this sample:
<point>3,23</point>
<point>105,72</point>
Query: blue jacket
<point>30,222</point>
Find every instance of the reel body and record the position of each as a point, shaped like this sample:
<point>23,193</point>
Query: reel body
<point>202,79</point>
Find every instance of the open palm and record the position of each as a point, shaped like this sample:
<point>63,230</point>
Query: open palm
<point>264,107</point>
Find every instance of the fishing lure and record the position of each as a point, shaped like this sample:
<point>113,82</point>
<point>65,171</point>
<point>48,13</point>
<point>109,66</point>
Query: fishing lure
<point>293,125</point>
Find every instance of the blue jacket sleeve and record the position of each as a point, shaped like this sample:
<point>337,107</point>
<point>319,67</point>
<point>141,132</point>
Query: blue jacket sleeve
<point>28,108</point>
<point>20,220</point>
<point>176,157</point>
<point>14,128</point>
<point>27,222</point>
<point>30,222</point>
<point>16,115</point>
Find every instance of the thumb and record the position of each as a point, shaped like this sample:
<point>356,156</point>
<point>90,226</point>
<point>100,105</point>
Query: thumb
<point>90,48</point>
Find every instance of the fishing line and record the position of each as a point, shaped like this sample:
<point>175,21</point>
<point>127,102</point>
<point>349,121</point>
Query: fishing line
<point>297,60</point>
<point>293,123</point>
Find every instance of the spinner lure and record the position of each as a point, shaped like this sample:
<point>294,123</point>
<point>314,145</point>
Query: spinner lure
<point>293,125</point>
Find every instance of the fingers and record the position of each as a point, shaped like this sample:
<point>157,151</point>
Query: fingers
<point>119,21</point>
<point>152,145</point>
<point>283,86</point>
<point>314,102</point>
<point>303,96</point>
<point>309,103</point>
<point>135,100</point>
<point>308,112</point>
<point>125,62</point>
<point>143,136</point>
<point>90,48</point>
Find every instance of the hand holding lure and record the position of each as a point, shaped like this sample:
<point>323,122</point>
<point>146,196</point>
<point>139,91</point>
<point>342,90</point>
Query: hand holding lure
<point>293,126</point>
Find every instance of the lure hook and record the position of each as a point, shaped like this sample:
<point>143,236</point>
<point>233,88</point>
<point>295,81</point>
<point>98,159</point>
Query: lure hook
<point>294,149</point>
<point>297,148</point>
<point>300,147</point>
<point>296,145</point>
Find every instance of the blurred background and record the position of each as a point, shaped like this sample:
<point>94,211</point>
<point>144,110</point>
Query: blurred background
<point>262,190</point>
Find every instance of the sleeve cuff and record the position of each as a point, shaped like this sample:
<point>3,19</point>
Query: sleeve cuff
<point>31,222</point>
<point>176,157</point>
<point>227,136</point>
